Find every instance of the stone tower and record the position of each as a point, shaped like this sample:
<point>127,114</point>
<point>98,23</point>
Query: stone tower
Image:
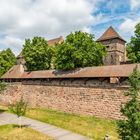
<point>115,46</point>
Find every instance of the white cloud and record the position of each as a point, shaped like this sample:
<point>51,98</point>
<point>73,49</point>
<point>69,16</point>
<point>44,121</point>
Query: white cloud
<point>20,19</point>
<point>127,27</point>
<point>87,29</point>
<point>134,4</point>
<point>12,42</point>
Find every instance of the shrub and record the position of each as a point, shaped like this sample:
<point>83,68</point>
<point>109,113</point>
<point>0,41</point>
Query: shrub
<point>19,108</point>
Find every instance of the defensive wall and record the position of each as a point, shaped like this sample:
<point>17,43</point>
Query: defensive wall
<point>96,91</point>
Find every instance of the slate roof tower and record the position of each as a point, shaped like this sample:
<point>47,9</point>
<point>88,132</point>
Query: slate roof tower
<point>115,46</point>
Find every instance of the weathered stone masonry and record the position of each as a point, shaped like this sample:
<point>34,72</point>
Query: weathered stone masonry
<point>100,99</point>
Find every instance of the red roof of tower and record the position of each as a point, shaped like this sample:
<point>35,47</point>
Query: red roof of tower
<point>110,33</point>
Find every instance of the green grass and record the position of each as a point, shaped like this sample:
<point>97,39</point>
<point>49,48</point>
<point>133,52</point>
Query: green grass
<point>92,127</point>
<point>11,132</point>
<point>86,125</point>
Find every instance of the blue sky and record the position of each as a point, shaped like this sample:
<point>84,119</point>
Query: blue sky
<point>20,19</point>
<point>121,14</point>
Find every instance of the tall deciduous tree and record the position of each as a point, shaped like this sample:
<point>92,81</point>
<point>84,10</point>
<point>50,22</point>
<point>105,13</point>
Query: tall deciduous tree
<point>37,54</point>
<point>129,128</point>
<point>79,50</point>
<point>7,60</point>
<point>133,48</point>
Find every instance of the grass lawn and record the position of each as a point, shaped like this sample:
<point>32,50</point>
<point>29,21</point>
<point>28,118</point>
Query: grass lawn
<point>11,132</point>
<point>86,125</point>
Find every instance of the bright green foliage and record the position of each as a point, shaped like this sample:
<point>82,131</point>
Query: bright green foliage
<point>133,48</point>
<point>64,56</point>
<point>37,54</point>
<point>19,108</point>
<point>129,128</point>
<point>7,60</point>
<point>79,50</point>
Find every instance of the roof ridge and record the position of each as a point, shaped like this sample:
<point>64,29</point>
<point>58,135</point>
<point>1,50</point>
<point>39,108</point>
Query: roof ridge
<point>88,72</point>
<point>109,34</point>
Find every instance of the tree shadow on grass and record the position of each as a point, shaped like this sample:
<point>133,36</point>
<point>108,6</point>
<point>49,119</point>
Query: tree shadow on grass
<point>2,110</point>
<point>22,126</point>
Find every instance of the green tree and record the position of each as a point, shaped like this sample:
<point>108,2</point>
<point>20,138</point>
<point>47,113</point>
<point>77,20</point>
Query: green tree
<point>79,50</point>
<point>37,54</point>
<point>7,60</point>
<point>129,128</point>
<point>133,48</point>
<point>19,108</point>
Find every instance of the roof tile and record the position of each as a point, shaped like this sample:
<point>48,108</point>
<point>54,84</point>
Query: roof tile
<point>110,33</point>
<point>55,41</point>
<point>88,72</point>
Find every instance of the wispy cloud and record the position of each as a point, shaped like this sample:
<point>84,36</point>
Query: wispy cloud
<point>135,4</point>
<point>22,19</point>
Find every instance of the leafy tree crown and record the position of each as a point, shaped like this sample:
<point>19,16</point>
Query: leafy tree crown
<point>37,54</point>
<point>129,128</point>
<point>133,47</point>
<point>79,50</point>
<point>7,60</point>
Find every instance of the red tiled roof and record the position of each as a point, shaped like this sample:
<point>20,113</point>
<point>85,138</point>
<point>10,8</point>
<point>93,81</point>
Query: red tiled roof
<point>55,41</point>
<point>51,42</point>
<point>88,72</point>
<point>109,34</point>
<point>15,72</point>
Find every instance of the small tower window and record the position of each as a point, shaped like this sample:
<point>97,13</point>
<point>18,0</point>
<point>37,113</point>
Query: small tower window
<point>107,47</point>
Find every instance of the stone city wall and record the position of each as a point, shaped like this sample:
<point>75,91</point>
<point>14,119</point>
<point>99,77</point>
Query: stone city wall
<point>87,97</point>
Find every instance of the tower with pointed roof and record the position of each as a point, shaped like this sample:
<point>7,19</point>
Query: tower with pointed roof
<point>115,46</point>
